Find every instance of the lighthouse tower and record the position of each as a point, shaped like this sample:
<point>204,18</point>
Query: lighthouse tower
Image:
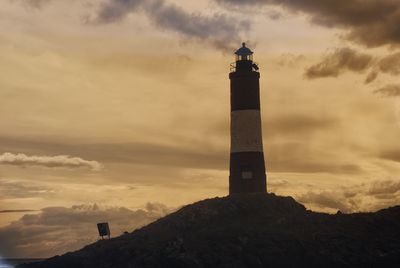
<point>247,167</point>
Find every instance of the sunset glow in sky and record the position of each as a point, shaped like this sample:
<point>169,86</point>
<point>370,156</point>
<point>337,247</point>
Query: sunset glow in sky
<point>118,110</point>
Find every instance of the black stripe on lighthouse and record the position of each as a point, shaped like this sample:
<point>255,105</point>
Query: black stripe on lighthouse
<point>247,167</point>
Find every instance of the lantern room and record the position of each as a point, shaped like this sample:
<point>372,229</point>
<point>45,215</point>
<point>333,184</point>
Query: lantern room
<point>244,60</point>
<point>244,53</point>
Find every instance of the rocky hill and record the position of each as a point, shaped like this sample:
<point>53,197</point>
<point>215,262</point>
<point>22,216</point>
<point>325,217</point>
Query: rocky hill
<point>248,231</point>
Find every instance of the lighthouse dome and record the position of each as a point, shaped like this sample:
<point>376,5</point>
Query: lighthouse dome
<point>244,51</point>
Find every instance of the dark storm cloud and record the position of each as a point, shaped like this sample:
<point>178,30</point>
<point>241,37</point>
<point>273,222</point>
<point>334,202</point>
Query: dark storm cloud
<point>56,230</point>
<point>221,31</point>
<point>340,60</point>
<point>347,59</point>
<point>392,90</point>
<point>117,10</point>
<point>369,22</point>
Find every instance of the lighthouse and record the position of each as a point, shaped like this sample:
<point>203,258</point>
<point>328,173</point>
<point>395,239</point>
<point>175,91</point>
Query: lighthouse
<point>247,166</point>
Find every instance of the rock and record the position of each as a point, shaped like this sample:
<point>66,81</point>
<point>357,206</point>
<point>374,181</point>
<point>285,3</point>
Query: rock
<point>256,230</point>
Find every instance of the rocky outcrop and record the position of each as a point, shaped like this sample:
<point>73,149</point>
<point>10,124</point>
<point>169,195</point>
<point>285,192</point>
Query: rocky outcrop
<point>249,231</point>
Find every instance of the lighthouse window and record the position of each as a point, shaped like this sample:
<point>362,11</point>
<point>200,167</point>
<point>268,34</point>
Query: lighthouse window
<point>247,175</point>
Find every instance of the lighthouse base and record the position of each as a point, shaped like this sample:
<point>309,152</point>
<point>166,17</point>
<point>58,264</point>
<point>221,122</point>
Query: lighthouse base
<point>247,173</point>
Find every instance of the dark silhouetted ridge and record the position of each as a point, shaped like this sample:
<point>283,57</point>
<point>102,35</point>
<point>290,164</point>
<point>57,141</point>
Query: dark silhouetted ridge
<point>259,230</point>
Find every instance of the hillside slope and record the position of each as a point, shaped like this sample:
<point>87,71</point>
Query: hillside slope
<point>249,231</point>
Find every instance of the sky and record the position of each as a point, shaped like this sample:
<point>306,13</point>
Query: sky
<point>118,110</point>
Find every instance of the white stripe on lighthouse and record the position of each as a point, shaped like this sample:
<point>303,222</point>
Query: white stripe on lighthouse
<point>246,131</point>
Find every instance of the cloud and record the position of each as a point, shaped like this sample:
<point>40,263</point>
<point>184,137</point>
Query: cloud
<point>22,189</point>
<point>202,156</point>
<point>371,196</point>
<point>36,3</point>
<point>157,154</point>
<point>392,154</point>
<point>285,125</point>
<point>296,124</point>
<point>116,10</point>
<point>16,210</point>
<point>392,90</point>
<point>219,30</point>
<point>48,161</point>
<point>371,23</point>
<point>371,77</point>
<point>287,133</point>
<point>300,160</point>
<point>384,187</point>
<point>274,185</point>
<point>290,60</point>
<point>390,64</point>
<point>348,59</point>
<point>56,230</point>
<point>328,200</point>
<point>339,61</point>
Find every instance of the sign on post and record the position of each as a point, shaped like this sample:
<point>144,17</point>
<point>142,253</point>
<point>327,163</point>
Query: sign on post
<point>104,229</point>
